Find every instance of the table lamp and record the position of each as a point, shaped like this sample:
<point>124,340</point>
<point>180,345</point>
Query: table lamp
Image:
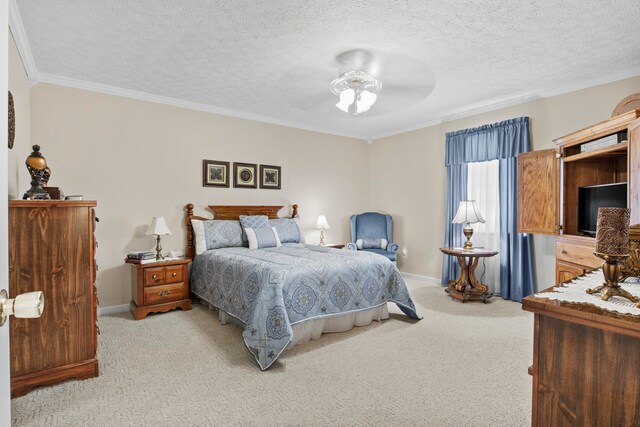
<point>467,214</point>
<point>612,245</point>
<point>322,224</point>
<point>158,228</point>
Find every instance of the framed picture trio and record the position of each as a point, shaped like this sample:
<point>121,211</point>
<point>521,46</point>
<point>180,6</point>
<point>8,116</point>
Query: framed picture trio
<point>216,173</point>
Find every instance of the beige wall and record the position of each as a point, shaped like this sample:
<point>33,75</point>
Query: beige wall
<point>408,174</point>
<point>139,159</point>
<point>19,87</point>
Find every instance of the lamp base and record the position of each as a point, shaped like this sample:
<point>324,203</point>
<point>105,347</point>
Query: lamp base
<point>322,238</point>
<point>158,249</point>
<point>468,232</point>
<point>611,287</point>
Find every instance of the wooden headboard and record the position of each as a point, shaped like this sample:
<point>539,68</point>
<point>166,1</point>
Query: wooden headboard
<point>229,212</point>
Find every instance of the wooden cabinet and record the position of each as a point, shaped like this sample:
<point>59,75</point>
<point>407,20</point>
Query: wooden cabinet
<point>159,287</point>
<point>549,182</point>
<point>52,249</point>
<point>584,365</point>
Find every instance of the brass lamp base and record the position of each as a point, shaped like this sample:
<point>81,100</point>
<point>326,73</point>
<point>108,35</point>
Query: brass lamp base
<point>611,288</point>
<point>468,232</point>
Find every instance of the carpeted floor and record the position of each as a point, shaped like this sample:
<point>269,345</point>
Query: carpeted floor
<point>463,365</point>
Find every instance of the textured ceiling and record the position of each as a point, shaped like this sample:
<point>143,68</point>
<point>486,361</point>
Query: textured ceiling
<point>275,59</point>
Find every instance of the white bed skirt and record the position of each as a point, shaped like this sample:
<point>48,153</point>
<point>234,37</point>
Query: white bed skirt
<point>312,329</point>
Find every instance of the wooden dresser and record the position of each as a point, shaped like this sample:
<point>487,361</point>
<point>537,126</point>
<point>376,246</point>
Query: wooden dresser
<point>52,249</point>
<point>585,365</point>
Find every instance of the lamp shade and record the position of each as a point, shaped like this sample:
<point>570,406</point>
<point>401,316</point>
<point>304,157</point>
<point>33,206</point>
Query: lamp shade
<point>322,224</point>
<point>612,234</point>
<point>467,212</point>
<point>158,227</point>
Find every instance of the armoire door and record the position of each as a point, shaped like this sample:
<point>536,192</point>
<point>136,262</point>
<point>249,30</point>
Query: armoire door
<point>539,192</point>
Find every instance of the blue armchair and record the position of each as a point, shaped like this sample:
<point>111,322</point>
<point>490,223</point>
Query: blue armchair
<point>372,225</point>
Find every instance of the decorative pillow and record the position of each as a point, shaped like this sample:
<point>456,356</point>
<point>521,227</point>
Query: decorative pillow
<point>372,243</point>
<point>260,238</point>
<point>254,221</point>
<point>288,229</point>
<point>215,234</point>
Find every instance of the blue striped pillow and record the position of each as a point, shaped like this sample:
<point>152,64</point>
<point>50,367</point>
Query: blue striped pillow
<point>260,238</point>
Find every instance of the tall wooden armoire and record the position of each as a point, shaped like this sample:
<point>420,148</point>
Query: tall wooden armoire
<point>52,249</point>
<point>549,183</point>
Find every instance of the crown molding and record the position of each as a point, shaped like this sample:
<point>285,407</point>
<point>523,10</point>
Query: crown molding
<point>22,42</point>
<point>513,100</point>
<point>181,103</point>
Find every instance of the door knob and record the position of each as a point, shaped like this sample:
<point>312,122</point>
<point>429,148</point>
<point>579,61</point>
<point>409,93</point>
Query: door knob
<point>26,306</point>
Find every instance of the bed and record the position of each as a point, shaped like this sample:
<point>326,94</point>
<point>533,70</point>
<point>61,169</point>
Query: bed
<point>288,294</point>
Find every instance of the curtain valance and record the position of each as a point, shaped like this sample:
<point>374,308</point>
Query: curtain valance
<point>489,142</point>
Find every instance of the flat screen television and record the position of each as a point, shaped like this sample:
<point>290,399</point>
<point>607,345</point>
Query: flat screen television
<point>592,197</point>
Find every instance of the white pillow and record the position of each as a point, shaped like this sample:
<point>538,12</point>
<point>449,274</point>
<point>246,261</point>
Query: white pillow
<point>200,242</point>
<point>371,244</point>
<point>260,238</point>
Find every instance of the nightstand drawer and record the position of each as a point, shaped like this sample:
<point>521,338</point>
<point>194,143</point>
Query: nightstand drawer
<point>154,276</point>
<point>163,293</point>
<point>173,274</point>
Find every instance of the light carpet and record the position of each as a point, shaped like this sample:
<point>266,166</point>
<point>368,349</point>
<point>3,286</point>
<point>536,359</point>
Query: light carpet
<point>462,365</point>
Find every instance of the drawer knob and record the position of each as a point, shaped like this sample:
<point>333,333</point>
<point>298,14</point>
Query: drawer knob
<point>155,276</point>
<point>562,251</point>
<point>174,274</point>
<point>164,293</point>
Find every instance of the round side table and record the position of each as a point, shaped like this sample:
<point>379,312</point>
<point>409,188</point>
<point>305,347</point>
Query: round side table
<point>466,287</point>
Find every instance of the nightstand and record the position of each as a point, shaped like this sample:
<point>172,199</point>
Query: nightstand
<point>335,245</point>
<point>159,286</point>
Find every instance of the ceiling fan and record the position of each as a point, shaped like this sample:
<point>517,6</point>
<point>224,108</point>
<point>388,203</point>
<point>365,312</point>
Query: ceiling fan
<point>355,86</point>
<point>361,75</point>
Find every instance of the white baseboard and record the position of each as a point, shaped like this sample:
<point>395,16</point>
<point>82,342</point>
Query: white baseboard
<point>421,277</point>
<point>113,309</point>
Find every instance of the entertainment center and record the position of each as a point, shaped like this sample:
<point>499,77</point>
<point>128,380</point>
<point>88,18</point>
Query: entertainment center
<point>560,189</point>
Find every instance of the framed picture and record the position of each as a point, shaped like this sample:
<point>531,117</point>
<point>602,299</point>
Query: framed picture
<point>244,175</point>
<point>270,177</point>
<point>215,173</point>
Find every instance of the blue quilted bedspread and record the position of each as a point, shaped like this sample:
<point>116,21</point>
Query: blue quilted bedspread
<point>271,289</point>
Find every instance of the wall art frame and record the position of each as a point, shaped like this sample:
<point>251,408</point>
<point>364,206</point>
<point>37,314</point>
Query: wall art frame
<point>270,177</point>
<point>215,173</point>
<point>245,175</point>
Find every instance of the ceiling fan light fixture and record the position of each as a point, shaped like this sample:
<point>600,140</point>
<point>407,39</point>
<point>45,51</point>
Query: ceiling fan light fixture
<point>346,99</point>
<point>365,101</point>
<point>356,86</point>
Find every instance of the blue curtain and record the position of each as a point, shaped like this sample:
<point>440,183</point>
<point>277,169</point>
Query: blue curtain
<point>453,237</point>
<point>502,141</point>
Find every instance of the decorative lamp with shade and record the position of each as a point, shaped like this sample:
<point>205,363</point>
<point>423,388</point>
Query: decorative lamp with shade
<point>158,228</point>
<point>322,224</point>
<point>467,214</point>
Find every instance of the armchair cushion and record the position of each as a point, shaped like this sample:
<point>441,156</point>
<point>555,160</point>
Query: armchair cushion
<point>371,243</point>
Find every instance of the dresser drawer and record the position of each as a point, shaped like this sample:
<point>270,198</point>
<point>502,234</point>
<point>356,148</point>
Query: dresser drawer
<point>163,293</point>
<point>154,276</point>
<point>173,274</point>
<point>576,254</point>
